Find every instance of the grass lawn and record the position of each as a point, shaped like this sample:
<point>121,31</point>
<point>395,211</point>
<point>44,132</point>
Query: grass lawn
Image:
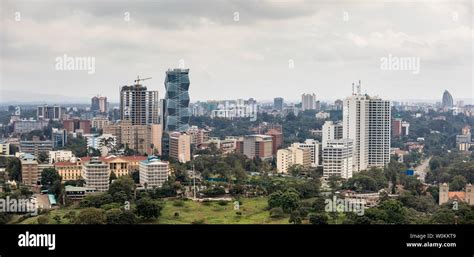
<point>252,209</point>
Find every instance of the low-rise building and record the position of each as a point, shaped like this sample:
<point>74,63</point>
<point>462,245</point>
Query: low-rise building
<point>60,156</point>
<point>69,170</point>
<point>153,172</point>
<point>292,156</point>
<point>96,174</point>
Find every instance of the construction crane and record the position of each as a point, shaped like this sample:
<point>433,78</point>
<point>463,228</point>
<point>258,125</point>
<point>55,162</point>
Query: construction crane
<point>137,81</point>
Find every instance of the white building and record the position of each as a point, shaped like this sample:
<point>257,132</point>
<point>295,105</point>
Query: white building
<point>331,131</point>
<point>96,174</point>
<point>291,156</point>
<point>104,143</point>
<point>60,156</point>
<point>322,115</point>
<point>153,172</point>
<point>337,158</point>
<point>314,148</point>
<point>366,120</point>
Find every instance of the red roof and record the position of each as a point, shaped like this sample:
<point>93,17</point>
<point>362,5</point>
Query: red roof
<point>65,163</point>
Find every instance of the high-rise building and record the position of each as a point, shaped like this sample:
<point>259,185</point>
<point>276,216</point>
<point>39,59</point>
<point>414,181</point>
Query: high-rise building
<point>292,156</point>
<point>447,101</point>
<point>139,105</point>
<point>180,146</point>
<point>366,120</point>
<point>99,104</point>
<point>314,148</point>
<point>278,104</point>
<point>153,172</point>
<point>338,104</point>
<point>257,146</point>
<point>46,112</point>
<point>337,158</point>
<point>141,138</point>
<point>77,126</point>
<point>308,102</point>
<point>59,137</point>
<point>96,174</point>
<point>331,131</point>
<point>177,112</point>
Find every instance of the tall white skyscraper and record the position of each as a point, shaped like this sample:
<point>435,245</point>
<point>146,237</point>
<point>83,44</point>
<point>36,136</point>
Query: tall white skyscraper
<point>308,102</point>
<point>366,120</point>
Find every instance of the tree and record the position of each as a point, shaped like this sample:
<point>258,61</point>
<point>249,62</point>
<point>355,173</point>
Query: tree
<point>295,217</point>
<point>148,209</point>
<point>42,157</point>
<point>318,219</point>
<point>112,177</point>
<point>13,169</point>
<point>288,200</point>
<point>91,216</point>
<point>276,212</point>
<point>443,216</point>
<point>319,205</point>
<point>49,176</point>
<point>124,186</point>
<point>457,183</point>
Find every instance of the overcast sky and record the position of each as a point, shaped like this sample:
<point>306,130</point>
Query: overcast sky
<point>237,49</point>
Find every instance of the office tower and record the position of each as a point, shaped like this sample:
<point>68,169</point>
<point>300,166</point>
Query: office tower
<point>366,120</point>
<point>447,101</point>
<point>308,102</point>
<point>331,131</point>
<point>59,137</point>
<point>278,104</point>
<point>139,105</point>
<point>96,174</point>
<point>77,126</point>
<point>99,123</point>
<point>257,146</point>
<point>180,146</point>
<point>35,146</point>
<point>141,138</point>
<point>47,113</point>
<point>314,148</point>
<point>277,139</point>
<point>153,172</point>
<point>396,127</point>
<point>379,132</point>
<point>292,156</point>
<point>177,112</point>
<point>29,170</point>
<point>99,104</point>
<point>25,126</point>
<point>337,158</point>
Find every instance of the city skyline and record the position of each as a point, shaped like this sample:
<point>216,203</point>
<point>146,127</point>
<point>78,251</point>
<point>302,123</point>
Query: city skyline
<point>238,49</point>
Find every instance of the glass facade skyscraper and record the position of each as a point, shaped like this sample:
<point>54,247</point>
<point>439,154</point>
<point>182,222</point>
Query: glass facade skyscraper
<point>177,112</point>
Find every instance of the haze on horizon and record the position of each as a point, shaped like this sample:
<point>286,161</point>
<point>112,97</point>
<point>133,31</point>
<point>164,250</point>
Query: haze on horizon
<point>237,49</point>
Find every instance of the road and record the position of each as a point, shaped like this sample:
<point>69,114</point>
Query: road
<point>421,169</point>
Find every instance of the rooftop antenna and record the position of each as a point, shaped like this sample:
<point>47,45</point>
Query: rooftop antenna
<point>358,88</point>
<point>353,93</point>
